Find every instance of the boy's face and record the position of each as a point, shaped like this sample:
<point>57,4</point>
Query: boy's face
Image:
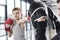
<point>17,14</point>
<point>58,5</point>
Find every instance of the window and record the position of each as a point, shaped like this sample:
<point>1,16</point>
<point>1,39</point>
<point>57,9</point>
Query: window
<point>10,6</point>
<point>2,2</point>
<point>2,19</point>
<point>2,14</point>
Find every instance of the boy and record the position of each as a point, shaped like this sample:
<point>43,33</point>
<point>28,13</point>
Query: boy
<point>17,25</point>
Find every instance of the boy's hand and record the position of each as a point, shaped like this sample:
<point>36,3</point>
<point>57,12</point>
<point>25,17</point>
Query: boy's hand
<point>10,33</point>
<point>28,18</point>
<point>7,24</point>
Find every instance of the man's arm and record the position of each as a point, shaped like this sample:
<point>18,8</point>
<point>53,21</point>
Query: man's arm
<point>43,18</point>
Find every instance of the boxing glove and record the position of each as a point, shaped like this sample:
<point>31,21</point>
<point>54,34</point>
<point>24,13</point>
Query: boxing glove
<point>8,24</point>
<point>28,18</point>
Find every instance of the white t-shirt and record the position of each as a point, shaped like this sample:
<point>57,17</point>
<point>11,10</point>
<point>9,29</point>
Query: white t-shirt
<point>18,32</point>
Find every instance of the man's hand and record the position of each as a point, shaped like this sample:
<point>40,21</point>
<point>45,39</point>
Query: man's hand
<point>41,19</point>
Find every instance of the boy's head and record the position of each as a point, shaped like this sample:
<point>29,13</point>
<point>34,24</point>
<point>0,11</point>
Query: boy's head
<point>17,13</point>
<point>58,5</point>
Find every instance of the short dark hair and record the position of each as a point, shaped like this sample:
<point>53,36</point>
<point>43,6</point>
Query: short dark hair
<point>16,9</point>
<point>58,1</point>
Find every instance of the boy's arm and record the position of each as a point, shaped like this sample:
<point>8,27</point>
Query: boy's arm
<point>25,19</point>
<point>7,25</point>
<point>22,21</point>
<point>10,33</point>
<point>22,25</point>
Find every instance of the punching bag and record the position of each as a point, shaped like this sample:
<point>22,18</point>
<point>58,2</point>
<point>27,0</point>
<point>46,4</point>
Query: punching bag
<point>40,12</point>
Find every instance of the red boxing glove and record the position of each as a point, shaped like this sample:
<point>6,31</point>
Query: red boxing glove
<point>8,24</point>
<point>28,18</point>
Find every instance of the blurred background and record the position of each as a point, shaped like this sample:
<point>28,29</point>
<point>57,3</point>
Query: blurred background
<point>6,7</point>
